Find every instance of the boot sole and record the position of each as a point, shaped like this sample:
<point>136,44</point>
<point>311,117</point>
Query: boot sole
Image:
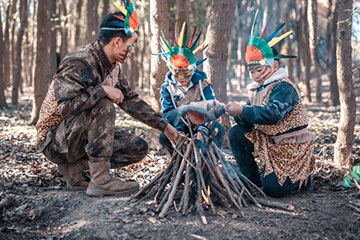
<point>100,193</point>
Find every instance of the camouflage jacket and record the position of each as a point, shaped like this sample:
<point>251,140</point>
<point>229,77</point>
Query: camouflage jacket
<point>76,87</point>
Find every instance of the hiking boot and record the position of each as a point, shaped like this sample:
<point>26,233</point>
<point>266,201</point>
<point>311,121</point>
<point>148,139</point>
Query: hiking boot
<point>72,173</point>
<point>102,185</point>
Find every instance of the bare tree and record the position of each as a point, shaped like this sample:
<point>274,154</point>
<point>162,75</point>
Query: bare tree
<point>331,59</point>
<point>42,76</point>
<point>305,49</point>
<point>344,142</point>
<point>7,47</point>
<point>2,58</point>
<point>313,28</point>
<point>182,12</point>
<point>53,41</point>
<point>79,4</point>
<point>105,10</point>
<point>64,29</point>
<point>18,49</point>
<point>90,16</point>
<point>158,21</point>
<point>218,36</point>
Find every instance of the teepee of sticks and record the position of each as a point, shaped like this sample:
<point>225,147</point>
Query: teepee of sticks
<point>199,178</point>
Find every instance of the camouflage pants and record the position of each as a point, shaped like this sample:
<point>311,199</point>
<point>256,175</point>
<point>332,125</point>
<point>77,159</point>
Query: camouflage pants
<point>92,134</point>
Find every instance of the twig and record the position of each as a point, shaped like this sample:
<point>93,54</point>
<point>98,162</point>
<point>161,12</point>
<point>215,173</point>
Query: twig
<point>176,182</point>
<point>274,204</point>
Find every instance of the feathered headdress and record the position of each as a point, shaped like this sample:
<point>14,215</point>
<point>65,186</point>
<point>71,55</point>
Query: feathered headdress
<point>130,23</point>
<point>183,55</point>
<point>259,51</point>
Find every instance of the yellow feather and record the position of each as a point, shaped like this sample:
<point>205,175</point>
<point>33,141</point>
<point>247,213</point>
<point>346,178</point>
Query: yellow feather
<point>200,46</point>
<point>278,39</point>
<point>182,33</point>
<point>163,45</point>
<point>121,8</point>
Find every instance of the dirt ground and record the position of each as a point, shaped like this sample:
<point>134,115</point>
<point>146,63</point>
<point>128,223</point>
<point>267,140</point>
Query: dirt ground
<point>35,203</point>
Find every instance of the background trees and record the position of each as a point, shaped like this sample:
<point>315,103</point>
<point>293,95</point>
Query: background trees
<point>30,38</point>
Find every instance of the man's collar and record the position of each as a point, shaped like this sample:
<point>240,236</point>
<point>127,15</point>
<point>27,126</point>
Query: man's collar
<point>279,74</point>
<point>103,58</point>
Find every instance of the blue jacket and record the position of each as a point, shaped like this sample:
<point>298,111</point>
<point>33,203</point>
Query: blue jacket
<point>171,90</point>
<point>282,100</point>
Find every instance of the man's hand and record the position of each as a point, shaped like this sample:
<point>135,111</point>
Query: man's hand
<point>171,133</point>
<point>114,94</point>
<point>233,109</point>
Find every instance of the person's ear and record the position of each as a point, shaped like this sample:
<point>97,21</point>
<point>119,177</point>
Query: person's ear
<point>117,42</point>
<point>276,65</point>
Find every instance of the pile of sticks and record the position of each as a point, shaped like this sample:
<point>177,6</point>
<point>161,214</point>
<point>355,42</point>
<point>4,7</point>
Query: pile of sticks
<point>198,177</point>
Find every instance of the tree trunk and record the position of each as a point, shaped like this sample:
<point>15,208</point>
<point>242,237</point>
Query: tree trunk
<point>78,23</point>
<point>53,58</point>
<point>12,40</point>
<point>289,18</point>
<point>96,19</point>
<point>64,30</point>
<point>7,47</point>
<point>218,37</point>
<point>90,30</point>
<point>182,13</point>
<point>331,60</point>
<point>313,22</point>
<point>158,21</point>
<point>344,142</point>
<point>42,76</point>
<point>2,60</point>
<point>18,49</point>
<point>305,49</point>
<point>299,42</point>
<point>106,9</point>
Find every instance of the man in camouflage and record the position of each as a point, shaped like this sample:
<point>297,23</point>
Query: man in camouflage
<point>76,127</point>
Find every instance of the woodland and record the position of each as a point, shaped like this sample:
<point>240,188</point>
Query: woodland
<point>36,34</point>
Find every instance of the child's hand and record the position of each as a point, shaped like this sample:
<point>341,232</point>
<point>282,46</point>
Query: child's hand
<point>233,109</point>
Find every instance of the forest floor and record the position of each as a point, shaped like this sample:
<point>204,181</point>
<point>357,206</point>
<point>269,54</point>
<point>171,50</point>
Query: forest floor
<point>35,203</point>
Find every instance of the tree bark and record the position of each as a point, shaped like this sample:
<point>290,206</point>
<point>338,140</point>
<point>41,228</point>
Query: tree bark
<point>53,58</point>
<point>42,76</point>
<point>331,60</point>
<point>158,21</point>
<point>64,29</point>
<point>90,26</point>
<point>344,142</point>
<point>2,58</point>
<point>18,63</point>
<point>289,18</point>
<point>182,13</point>
<point>313,23</point>
<point>78,23</point>
<point>218,36</point>
<point>7,47</point>
<point>106,9</point>
<point>305,49</point>
<point>12,41</point>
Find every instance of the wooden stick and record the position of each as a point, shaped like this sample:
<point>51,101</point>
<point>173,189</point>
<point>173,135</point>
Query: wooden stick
<point>186,188</point>
<point>230,193</point>
<point>227,165</point>
<point>198,202</point>
<point>202,181</point>
<point>275,204</point>
<point>176,182</point>
<point>148,186</point>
